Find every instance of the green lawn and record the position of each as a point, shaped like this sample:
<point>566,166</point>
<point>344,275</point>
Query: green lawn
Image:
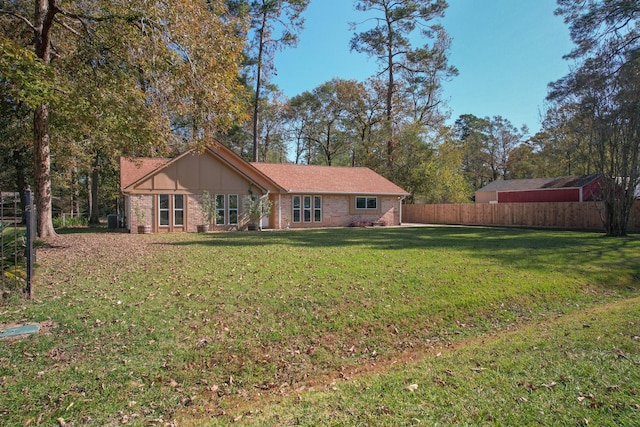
<point>384,326</point>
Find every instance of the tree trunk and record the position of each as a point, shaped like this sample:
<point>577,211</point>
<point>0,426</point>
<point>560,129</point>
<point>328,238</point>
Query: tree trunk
<point>74,208</point>
<point>94,217</point>
<point>256,117</point>
<point>44,13</point>
<point>389,100</point>
<point>42,171</point>
<point>89,195</point>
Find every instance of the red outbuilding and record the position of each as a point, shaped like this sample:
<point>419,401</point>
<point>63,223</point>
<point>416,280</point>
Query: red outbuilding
<point>563,189</point>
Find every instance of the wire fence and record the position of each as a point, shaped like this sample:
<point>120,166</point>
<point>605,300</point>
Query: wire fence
<point>17,255</point>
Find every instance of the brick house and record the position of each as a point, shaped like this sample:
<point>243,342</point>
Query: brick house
<point>166,194</point>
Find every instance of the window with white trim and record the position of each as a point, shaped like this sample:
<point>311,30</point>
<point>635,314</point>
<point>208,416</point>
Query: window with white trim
<point>317,209</point>
<point>178,209</point>
<point>233,209</point>
<point>220,209</point>
<point>307,208</point>
<point>366,203</point>
<point>163,210</point>
<point>296,205</point>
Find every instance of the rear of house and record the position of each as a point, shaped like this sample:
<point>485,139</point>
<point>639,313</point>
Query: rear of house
<point>165,195</point>
<point>328,196</point>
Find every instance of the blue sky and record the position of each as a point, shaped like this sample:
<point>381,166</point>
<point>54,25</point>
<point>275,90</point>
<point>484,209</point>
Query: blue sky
<point>506,52</point>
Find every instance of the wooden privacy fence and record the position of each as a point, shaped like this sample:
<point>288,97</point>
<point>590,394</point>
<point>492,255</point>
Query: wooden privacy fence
<point>577,215</point>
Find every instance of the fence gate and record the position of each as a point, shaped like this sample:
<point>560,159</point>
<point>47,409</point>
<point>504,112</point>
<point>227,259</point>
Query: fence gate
<point>17,256</point>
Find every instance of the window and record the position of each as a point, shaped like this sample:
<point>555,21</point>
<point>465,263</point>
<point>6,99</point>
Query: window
<point>220,209</point>
<point>178,209</point>
<point>163,210</point>
<point>366,203</point>
<point>317,209</point>
<point>171,207</point>
<point>233,209</point>
<point>296,209</point>
<point>307,208</point>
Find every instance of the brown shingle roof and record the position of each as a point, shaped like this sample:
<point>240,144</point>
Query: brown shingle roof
<point>539,183</point>
<point>571,181</point>
<point>328,179</point>
<point>133,169</point>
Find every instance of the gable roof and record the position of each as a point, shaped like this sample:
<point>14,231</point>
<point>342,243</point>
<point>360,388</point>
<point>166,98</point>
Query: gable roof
<point>288,178</point>
<point>136,168</point>
<point>539,183</point>
<point>571,181</point>
<point>328,179</point>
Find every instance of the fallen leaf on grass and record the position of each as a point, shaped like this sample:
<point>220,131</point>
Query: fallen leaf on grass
<point>621,354</point>
<point>582,397</point>
<point>411,387</point>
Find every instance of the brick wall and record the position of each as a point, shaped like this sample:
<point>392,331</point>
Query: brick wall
<point>141,211</point>
<point>339,211</point>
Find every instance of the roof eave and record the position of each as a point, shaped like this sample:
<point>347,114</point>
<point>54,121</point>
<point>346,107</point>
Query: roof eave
<point>346,193</point>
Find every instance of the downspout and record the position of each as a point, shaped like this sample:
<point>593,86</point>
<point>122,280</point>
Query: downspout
<point>400,200</point>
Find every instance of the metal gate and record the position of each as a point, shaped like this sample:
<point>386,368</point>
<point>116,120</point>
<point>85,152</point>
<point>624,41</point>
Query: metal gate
<point>17,256</point>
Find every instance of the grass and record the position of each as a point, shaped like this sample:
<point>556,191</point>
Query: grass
<point>13,264</point>
<point>329,327</point>
<point>582,370</point>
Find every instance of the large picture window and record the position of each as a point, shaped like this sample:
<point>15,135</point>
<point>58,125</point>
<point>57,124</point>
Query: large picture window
<point>220,209</point>
<point>366,203</point>
<point>307,208</point>
<point>171,207</point>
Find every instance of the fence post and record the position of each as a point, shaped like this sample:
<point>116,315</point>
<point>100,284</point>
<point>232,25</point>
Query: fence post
<point>1,237</point>
<point>30,229</point>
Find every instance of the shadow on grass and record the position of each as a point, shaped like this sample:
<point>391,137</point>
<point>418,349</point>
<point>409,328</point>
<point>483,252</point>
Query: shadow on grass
<point>605,259</point>
<point>89,230</point>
